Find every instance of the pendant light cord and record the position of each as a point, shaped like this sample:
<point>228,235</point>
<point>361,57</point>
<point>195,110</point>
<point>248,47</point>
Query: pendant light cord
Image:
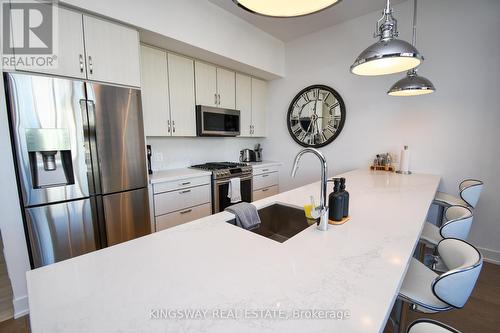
<point>414,40</point>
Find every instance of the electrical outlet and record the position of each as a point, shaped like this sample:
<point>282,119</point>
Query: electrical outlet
<point>158,157</point>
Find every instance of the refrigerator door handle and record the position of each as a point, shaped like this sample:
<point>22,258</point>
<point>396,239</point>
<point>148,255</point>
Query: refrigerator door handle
<point>93,146</point>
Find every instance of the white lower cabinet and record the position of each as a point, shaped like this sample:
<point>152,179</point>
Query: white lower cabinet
<point>265,192</point>
<point>186,215</point>
<point>265,181</point>
<point>181,200</point>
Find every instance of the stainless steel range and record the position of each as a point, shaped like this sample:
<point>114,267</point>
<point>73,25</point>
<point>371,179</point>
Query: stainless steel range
<point>222,172</point>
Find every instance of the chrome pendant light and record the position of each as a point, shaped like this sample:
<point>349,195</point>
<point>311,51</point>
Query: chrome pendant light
<point>285,8</point>
<point>412,84</point>
<point>389,55</point>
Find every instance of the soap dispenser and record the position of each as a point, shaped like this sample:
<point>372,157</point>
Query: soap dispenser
<point>336,202</point>
<point>345,194</point>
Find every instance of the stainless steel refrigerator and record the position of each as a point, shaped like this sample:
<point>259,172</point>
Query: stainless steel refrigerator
<point>81,164</point>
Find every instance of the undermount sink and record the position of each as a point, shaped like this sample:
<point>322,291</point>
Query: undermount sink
<point>280,222</point>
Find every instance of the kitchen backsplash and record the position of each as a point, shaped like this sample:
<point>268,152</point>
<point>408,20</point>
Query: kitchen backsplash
<point>173,153</point>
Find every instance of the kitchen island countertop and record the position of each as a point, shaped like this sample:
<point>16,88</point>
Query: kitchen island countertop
<point>240,281</point>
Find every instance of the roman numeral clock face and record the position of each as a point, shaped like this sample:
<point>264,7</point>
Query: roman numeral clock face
<point>316,116</point>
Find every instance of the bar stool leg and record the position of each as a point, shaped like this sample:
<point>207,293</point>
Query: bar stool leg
<point>421,252</point>
<point>403,317</point>
<point>440,216</point>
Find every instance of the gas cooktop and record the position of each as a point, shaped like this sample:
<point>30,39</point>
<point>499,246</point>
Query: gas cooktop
<point>225,169</point>
<point>218,165</point>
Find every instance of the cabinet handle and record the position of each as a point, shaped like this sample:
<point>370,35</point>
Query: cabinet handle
<point>91,67</point>
<point>215,96</point>
<point>219,98</point>
<point>186,211</point>
<point>173,126</point>
<point>184,192</point>
<point>264,170</point>
<point>184,184</point>
<point>168,123</point>
<point>81,63</point>
<point>264,176</point>
<point>265,190</point>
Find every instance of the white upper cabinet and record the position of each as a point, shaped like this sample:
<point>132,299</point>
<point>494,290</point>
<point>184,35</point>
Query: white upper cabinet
<point>92,48</point>
<point>155,101</point>
<point>70,50</point>
<point>244,102</point>
<point>112,52</point>
<point>182,95</point>
<point>215,86</point>
<point>206,84</point>
<point>226,88</point>
<point>259,97</point>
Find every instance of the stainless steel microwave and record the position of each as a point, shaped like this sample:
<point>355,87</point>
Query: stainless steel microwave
<point>212,121</point>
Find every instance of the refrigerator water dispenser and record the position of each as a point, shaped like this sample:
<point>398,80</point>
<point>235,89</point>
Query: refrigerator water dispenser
<point>50,157</point>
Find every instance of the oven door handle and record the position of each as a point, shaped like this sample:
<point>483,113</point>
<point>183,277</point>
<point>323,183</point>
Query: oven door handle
<point>226,180</point>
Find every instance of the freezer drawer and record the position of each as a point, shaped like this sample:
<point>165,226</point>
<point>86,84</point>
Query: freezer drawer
<point>119,132</point>
<point>126,215</point>
<point>61,231</point>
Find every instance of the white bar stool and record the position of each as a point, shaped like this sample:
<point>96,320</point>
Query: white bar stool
<point>458,221</point>
<point>428,292</point>
<point>430,326</point>
<point>470,191</point>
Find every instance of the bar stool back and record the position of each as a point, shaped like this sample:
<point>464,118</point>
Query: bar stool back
<point>458,223</point>
<point>470,191</point>
<point>430,326</point>
<point>465,262</point>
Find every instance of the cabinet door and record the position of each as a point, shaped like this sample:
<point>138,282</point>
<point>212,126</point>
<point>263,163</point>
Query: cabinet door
<point>176,218</point>
<point>244,102</point>
<point>182,96</point>
<point>226,88</point>
<point>259,96</point>
<point>112,52</point>
<point>206,84</point>
<point>265,192</point>
<point>69,51</point>
<point>154,91</point>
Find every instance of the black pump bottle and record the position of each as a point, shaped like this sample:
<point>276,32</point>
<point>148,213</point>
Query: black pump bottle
<point>345,194</point>
<point>336,202</point>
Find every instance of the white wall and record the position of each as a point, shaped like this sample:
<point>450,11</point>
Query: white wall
<point>197,23</point>
<point>453,132</point>
<point>184,152</point>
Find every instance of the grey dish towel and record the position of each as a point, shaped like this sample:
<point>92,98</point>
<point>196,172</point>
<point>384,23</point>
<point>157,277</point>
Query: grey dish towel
<point>247,216</point>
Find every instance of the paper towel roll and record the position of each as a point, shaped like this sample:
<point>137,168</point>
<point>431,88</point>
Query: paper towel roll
<point>404,164</point>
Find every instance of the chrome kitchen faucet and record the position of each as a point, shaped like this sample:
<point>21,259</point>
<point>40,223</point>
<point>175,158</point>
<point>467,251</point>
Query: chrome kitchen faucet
<point>322,210</point>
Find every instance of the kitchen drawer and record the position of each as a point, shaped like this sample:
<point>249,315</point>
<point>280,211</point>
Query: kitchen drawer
<point>265,180</point>
<point>180,184</point>
<point>180,199</point>
<point>260,170</point>
<point>187,215</point>
<point>265,192</point>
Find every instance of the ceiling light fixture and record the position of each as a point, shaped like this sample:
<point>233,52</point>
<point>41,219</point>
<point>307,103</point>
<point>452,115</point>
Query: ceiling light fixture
<point>412,84</point>
<point>389,55</point>
<point>285,8</point>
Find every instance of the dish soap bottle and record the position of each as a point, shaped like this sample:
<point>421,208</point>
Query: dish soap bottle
<point>345,194</point>
<point>336,202</point>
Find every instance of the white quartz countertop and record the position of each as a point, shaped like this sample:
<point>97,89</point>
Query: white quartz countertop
<point>222,270</point>
<point>176,174</point>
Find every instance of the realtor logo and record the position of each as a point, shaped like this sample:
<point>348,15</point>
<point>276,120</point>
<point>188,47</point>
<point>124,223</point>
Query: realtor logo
<point>28,33</point>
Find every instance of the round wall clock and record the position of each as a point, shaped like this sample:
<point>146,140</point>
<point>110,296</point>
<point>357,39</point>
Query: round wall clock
<point>316,116</point>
